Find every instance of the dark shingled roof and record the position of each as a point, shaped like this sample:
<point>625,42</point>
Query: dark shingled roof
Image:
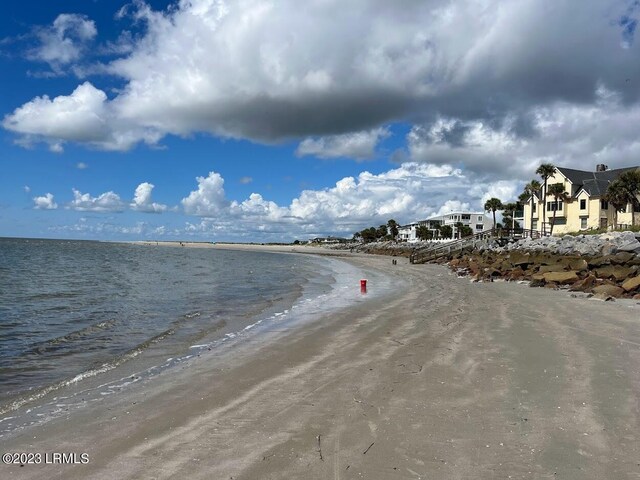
<point>594,183</point>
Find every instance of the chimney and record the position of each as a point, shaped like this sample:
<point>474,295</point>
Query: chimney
<point>601,167</point>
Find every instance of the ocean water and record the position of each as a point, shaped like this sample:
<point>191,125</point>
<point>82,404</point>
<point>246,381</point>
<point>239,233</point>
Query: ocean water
<point>72,310</point>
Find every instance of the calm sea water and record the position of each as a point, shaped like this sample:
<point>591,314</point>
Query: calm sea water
<point>72,307</point>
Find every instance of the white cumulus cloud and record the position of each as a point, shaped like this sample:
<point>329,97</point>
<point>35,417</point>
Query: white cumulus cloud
<point>410,192</point>
<point>208,199</point>
<point>85,116</point>
<point>45,202</point>
<point>106,202</point>
<point>142,201</point>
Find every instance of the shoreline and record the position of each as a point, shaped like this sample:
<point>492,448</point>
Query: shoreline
<point>256,247</point>
<point>148,360</point>
<point>445,379</point>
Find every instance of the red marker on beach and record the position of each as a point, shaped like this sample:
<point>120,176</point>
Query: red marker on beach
<point>363,286</point>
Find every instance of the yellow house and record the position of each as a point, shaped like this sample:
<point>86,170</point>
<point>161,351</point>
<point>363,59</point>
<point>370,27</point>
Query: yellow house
<point>585,208</point>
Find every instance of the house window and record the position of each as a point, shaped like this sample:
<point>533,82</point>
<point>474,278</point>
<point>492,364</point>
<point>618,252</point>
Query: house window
<point>466,217</point>
<point>583,222</point>
<point>560,221</point>
<point>480,218</point>
<point>583,204</point>
<point>479,226</point>
<point>604,205</point>
<point>534,207</point>
<point>534,225</point>
<point>554,206</point>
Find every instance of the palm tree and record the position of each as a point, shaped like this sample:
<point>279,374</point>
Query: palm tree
<point>616,196</point>
<point>509,213</point>
<point>446,231</point>
<point>423,233</point>
<point>531,188</point>
<point>492,205</point>
<point>392,226</point>
<point>625,190</point>
<point>459,226</point>
<point>545,171</point>
<point>466,231</point>
<point>369,234</point>
<point>557,191</point>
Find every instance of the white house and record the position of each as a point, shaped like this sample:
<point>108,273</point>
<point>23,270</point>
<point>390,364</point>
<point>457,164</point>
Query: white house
<point>477,221</point>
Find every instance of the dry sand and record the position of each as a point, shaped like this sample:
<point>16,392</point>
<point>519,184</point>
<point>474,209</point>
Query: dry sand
<point>444,380</point>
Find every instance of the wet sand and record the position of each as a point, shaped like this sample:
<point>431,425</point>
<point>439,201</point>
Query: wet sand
<point>444,379</point>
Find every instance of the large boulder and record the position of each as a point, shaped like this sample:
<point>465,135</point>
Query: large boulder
<point>541,258</point>
<point>503,266</point>
<point>536,282</point>
<point>631,247</point>
<point>551,268</point>
<point>599,261</point>
<point>608,248</point>
<point>584,285</point>
<point>562,278</point>
<point>631,284</point>
<point>622,258</point>
<point>519,258</point>
<point>609,290</point>
<point>617,272</point>
<point>474,267</point>
<point>516,274</point>
<point>575,263</point>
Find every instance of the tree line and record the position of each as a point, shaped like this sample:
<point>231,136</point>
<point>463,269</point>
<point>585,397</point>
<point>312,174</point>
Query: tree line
<point>388,231</point>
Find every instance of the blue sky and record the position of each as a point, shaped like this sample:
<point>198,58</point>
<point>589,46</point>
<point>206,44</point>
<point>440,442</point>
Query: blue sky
<point>261,121</point>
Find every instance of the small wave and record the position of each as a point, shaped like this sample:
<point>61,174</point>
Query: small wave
<point>131,354</point>
<point>52,295</point>
<point>55,344</point>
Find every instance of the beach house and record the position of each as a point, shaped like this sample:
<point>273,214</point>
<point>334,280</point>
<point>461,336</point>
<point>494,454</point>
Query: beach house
<point>477,221</point>
<point>584,205</point>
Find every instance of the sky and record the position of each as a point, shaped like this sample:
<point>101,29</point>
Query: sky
<point>256,120</point>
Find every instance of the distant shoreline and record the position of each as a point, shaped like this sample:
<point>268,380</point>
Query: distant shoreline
<point>262,247</point>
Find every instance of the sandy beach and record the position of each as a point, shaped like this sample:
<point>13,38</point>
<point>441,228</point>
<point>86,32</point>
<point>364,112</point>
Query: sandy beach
<point>443,379</point>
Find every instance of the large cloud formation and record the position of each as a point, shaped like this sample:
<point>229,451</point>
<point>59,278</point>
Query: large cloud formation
<point>482,72</point>
<point>410,192</point>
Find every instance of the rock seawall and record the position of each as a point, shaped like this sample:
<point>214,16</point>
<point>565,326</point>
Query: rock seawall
<point>393,249</point>
<point>607,265</point>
